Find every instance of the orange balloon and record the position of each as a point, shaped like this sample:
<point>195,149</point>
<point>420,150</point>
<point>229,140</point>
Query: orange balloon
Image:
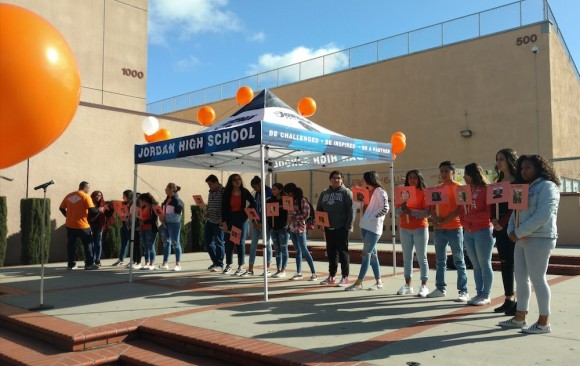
<point>244,95</point>
<point>398,144</point>
<point>307,106</point>
<point>40,84</point>
<point>160,135</point>
<point>206,115</point>
<point>148,138</point>
<point>400,134</point>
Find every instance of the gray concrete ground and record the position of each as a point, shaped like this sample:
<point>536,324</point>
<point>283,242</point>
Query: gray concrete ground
<point>377,327</point>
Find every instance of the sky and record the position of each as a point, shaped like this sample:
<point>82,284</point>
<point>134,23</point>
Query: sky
<point>195,44</point>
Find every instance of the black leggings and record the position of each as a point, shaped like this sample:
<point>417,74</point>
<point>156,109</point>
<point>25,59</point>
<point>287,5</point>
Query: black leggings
<point>505,249</point>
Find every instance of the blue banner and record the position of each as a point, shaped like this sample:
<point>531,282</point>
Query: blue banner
<point>200,143</point>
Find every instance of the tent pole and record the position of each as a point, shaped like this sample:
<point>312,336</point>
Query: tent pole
<point>263,159</point>
<point>133,220</point>
<point>393,232</point>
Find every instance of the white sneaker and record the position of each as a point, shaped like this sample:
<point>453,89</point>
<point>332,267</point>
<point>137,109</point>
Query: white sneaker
<point>376,287</point>
<point>164,266</point>
<point>513,323</point>
<point>481,301</point>
<point>463,296</point>
<point>437,293</point>
<point>354,287</point>
<point>238,272</point>
<point>423,291</point>
<point>176,269</point>
<point>405,290</point>
<point>473,300</point>
<point>279,275</point>
<point>537,329</point>
<point>136,266</point>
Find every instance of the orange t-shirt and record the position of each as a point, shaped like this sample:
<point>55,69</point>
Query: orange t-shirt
<point>410,222</point>
<point>77,204</point>
<point>447,208</point>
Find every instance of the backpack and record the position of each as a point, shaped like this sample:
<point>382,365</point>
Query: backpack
<point>310,220</point>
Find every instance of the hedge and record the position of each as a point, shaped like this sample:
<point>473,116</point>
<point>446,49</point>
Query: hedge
<point>30,227</point>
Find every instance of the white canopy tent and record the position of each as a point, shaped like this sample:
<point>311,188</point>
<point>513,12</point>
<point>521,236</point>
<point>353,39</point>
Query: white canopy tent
<point>268,136</point>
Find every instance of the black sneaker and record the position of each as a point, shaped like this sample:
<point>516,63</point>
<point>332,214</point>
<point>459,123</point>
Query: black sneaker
<point>91,267</point>
<point>228,269</point>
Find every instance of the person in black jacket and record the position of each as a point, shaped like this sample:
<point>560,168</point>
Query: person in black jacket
<point>278,228</point>
<point>235,200</point>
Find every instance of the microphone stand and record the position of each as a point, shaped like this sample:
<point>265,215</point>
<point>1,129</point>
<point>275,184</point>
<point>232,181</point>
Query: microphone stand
<point>42,305</point>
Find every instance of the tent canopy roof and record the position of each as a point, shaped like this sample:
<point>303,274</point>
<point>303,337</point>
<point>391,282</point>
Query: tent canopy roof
<point>291,142</point>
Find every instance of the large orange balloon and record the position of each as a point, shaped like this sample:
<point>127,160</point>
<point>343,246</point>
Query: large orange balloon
<point>39,84</point>
<point>398,142</point>
<point>244,95</point>
<point>206,115</point>
<point>307,106</point>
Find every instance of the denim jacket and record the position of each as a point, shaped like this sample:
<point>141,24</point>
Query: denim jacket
<point>539,220</point>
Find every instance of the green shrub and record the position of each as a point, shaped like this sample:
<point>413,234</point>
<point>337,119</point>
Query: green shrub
<point>30,227</point>
<point>197,228</point>
<point>112,238</point>
<point>3,229</point>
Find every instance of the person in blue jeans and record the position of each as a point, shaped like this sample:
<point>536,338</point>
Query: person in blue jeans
<point>371,226</point>
<point>235,200</point>
<point>278,229</point>
<point>172,211</point>
<point>297,229</point>
<point>448,231</point>
<point>213,234</point>
<point>256,228</point>
<point>125,228</point>
<point>478,238</point>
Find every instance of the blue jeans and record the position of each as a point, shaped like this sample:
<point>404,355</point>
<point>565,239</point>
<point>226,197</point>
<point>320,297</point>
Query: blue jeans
<point>256,235</point>
<point>453,238</point>
<point>148,245</point>
<point>418,238</point>
<point>172,231</point>
<point>243,225</point>
<point>299,241</point>
<point>479,246</point>
<point>214,243</point>
<point>97,242</point>
<point>369,255</point>
<point>280,240</point>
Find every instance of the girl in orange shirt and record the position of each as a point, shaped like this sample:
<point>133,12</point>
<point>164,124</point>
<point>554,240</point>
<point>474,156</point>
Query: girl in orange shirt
<point>414,232</point>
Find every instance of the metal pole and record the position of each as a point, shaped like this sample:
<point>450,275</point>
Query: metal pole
<point>42,305</point>
<point>263,159</point>
<point>392,174</point>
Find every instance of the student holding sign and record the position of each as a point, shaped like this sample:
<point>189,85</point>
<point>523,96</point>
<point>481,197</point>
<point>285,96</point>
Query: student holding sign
<point>236,198</point>
<point>172,211</point>
<point>534,233</point>
<point>414,232</point>
<point>297,228</point>
<point>371,226</point>
<point>478,237</point>
<point>213,233</point>
<point>278,229</point>
<point>337,201</point>
<point>256,228</point>
<point>505,167</point>
<point>448,231</point>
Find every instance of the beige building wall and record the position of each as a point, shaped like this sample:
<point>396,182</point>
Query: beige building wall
<point>106,36</point>
<point>506,94</point>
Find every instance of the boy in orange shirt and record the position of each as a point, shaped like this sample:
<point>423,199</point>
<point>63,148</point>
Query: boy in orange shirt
<point>76,207</point>
<point>448,231</point>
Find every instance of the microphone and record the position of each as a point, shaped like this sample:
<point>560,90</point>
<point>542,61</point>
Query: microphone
<point>44,185</point>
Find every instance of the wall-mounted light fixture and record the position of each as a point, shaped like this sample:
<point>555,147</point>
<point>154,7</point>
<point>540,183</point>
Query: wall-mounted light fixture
<point>466,133</point>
